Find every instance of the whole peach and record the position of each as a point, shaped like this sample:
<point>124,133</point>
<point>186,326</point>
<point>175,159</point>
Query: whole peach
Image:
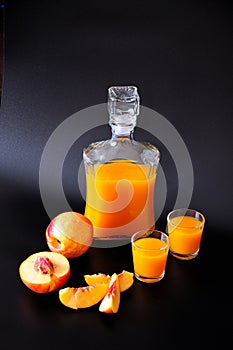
<point>70,234</point>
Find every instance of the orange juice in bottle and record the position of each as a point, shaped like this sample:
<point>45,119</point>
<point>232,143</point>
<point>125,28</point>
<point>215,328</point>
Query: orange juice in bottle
<point>120,173</point>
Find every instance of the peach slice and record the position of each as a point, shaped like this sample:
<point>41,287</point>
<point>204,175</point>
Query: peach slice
<point>45,271</point>
<point>70,234</point>
<point>82,297</point>
<point>111,302</point>
<point>67,297</point>
<point>97,278</point>
<point>126,279</point>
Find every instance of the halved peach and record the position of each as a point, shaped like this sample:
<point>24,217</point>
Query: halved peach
<point>111,302</point>
<point>45,271</point>
<point>82,297</point>
<point>126,279</point>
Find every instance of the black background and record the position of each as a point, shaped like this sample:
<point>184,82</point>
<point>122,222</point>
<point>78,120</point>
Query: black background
<point>60,57</point>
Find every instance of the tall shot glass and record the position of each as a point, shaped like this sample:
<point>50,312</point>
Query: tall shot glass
<point>150,250</point>
<point>185,227</point>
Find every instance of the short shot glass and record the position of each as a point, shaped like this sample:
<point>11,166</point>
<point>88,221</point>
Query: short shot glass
<point>149,250</point>
<point>184,228</point>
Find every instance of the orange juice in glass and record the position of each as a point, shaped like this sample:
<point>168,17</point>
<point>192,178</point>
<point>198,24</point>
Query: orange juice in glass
<point>185,227</point>
<point>150,250</point>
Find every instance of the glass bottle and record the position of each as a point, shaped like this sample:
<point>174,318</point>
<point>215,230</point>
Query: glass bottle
<point>120,173</point>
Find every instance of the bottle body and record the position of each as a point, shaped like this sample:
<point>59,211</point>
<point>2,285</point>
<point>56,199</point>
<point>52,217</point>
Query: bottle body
<point>120,182</point>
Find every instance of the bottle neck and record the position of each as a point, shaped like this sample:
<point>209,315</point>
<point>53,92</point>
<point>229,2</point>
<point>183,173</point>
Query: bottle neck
<point>122,125</point>
<point>116,135</point>
<point>122,131</point>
